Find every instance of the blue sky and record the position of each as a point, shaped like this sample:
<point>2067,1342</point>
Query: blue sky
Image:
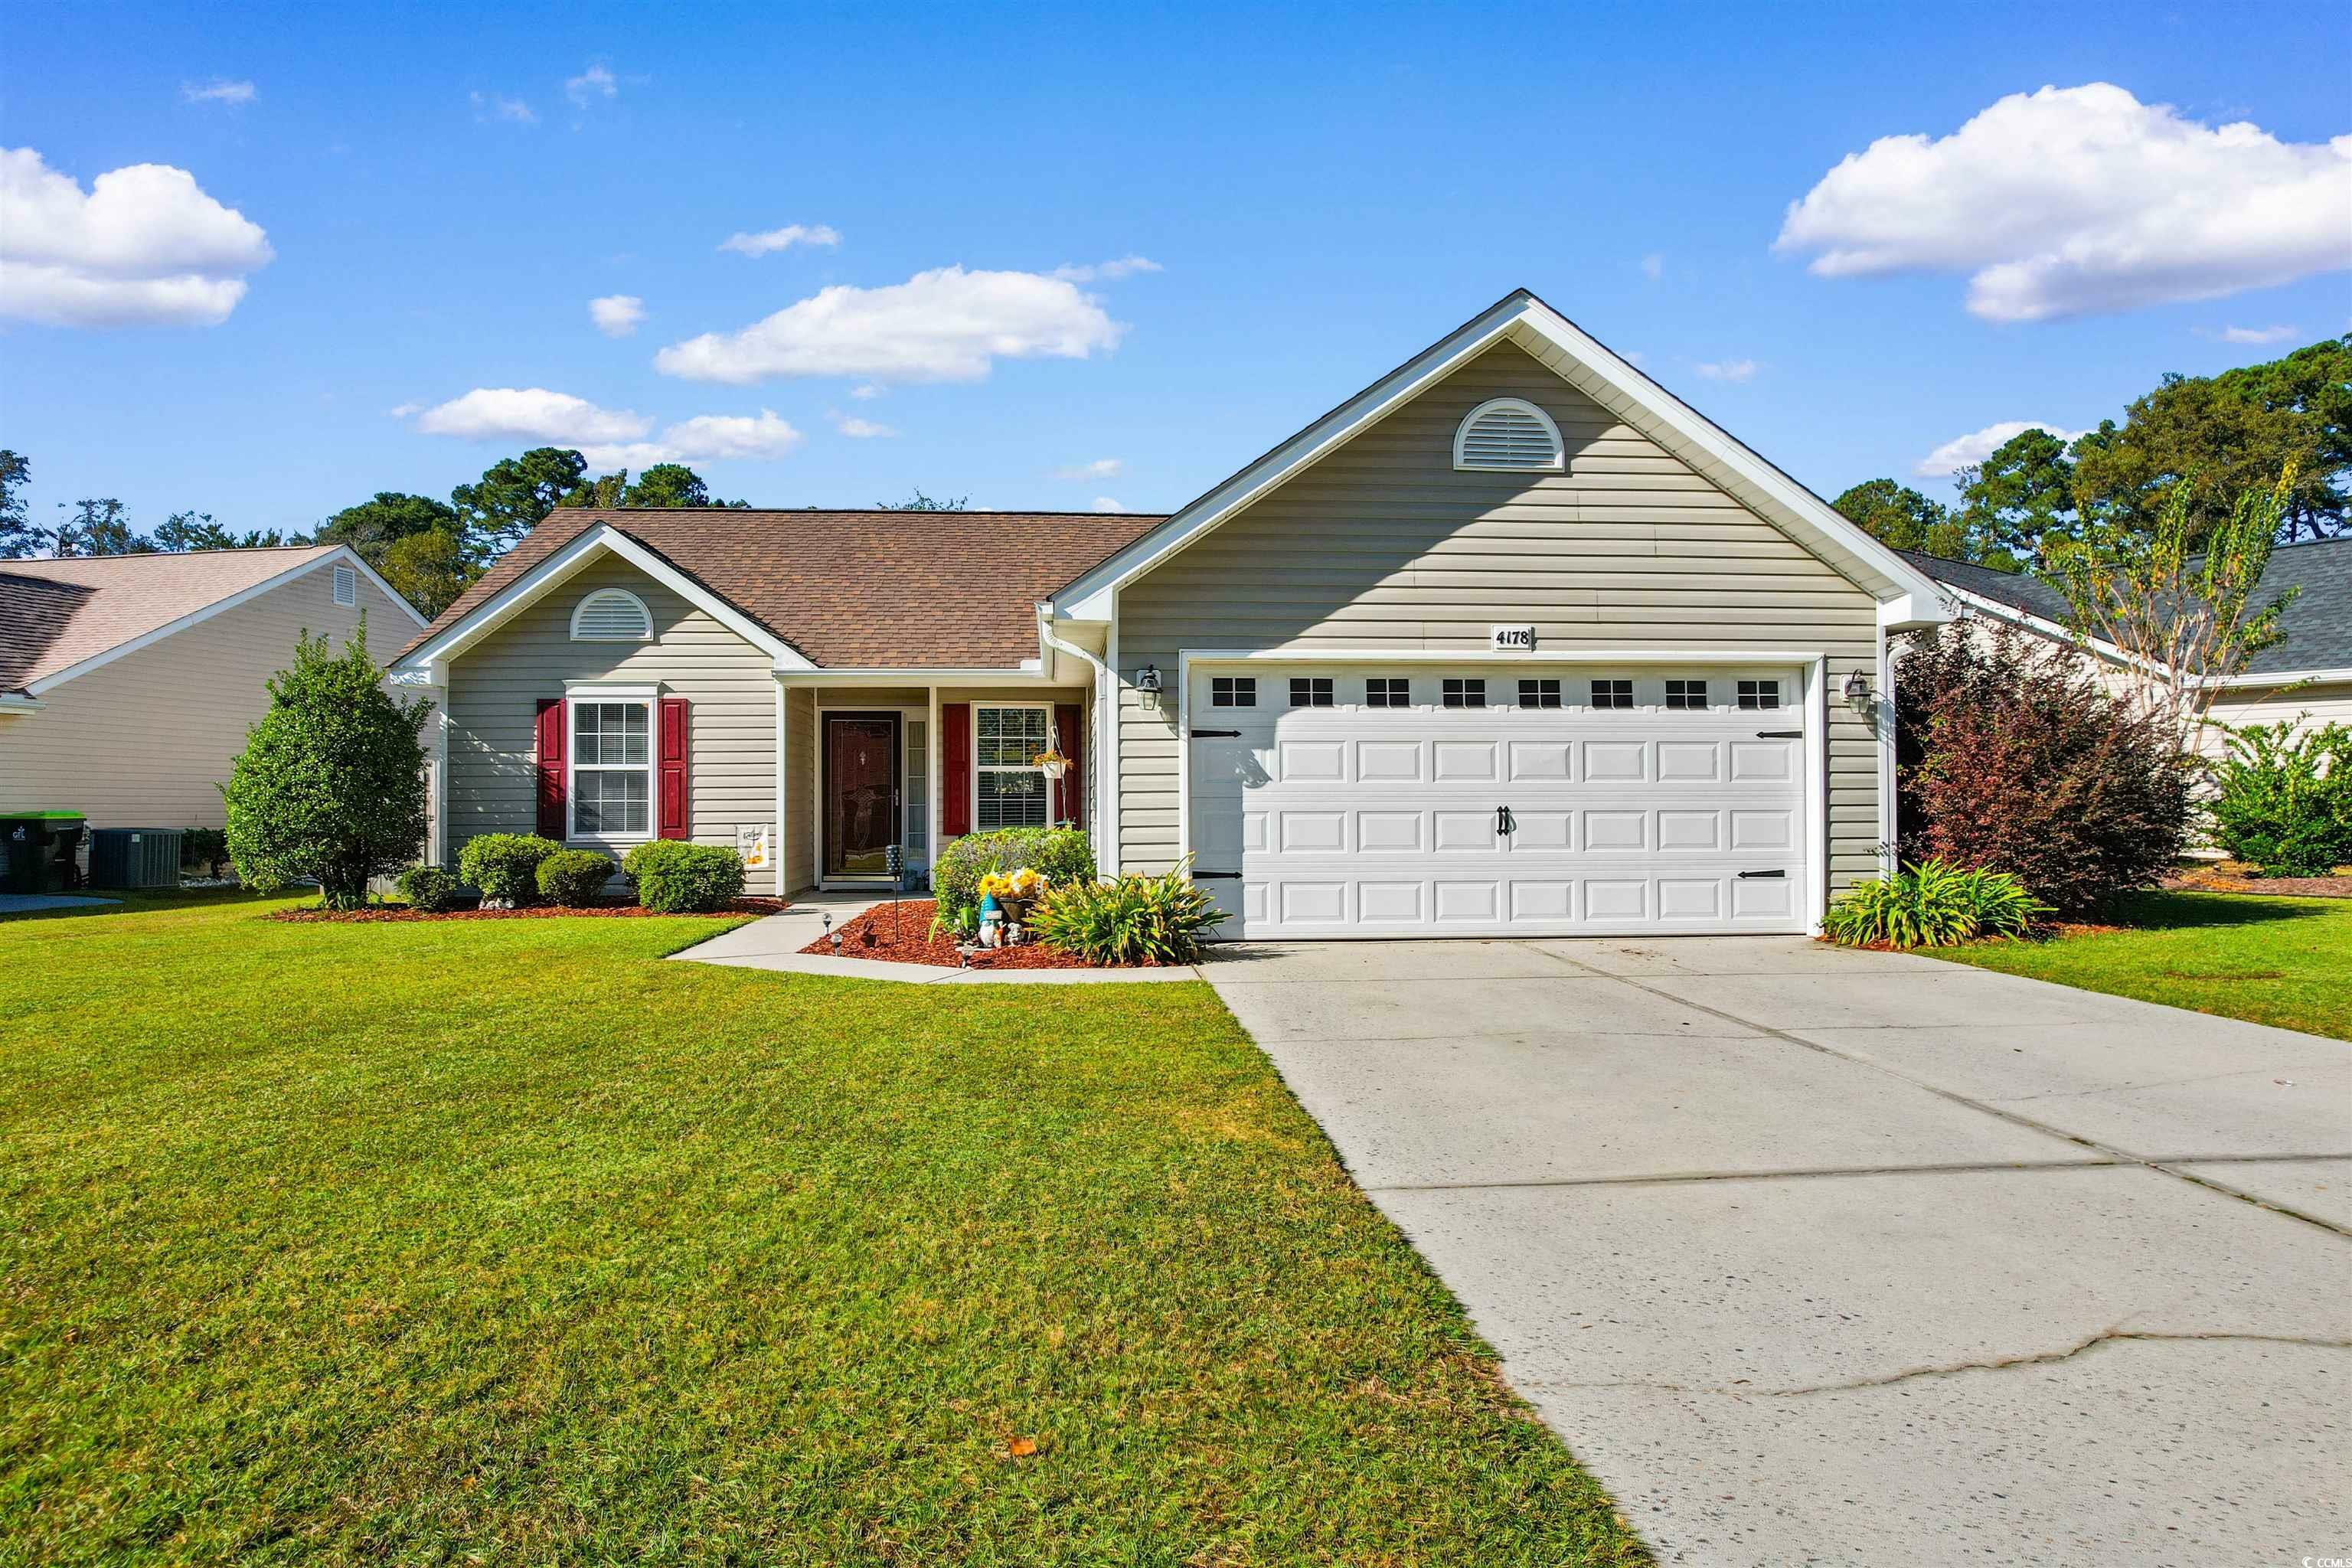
<point>1322,191</point>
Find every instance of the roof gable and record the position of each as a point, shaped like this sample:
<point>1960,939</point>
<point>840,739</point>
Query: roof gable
<point>1905,597</point>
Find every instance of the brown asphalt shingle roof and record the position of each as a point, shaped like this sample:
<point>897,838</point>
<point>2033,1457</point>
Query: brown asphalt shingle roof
<point>933,590</point>
<point>56,614</point>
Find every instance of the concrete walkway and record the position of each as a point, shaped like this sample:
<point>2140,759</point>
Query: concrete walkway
<point>1818,1257</point>
<point>775,942</point>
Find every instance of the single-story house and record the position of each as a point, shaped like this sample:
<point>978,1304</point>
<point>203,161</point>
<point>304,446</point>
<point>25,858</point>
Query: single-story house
<point>2308,671</point>
<point>127,683</point>
<point>1513,641</point>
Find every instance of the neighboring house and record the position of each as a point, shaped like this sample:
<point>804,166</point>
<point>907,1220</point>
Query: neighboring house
<point>127,682</point>
<point>2310,671</point>
<point>1511,642</point>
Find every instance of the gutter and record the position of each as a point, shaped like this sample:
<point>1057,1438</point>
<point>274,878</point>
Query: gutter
<point>20,703</point>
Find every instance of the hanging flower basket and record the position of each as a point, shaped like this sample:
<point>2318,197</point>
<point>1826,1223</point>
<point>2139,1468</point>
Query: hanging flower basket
<point>1053,762</point>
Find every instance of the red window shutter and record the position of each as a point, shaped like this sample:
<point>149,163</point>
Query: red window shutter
<point>955,770</point>
<point>555,733</point>
<point>674,746</point>
<point>1073,741</point>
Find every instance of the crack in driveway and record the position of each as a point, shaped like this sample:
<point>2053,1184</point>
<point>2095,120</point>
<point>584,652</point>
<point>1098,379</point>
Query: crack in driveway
<point>1740,1388</point>
<point>1957,1167</point>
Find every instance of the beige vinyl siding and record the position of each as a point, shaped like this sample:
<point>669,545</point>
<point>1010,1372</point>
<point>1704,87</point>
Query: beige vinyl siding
<point>1383,545</point>
<point>494,689</point>
<point>2316,702</point>
<point>147,739</point>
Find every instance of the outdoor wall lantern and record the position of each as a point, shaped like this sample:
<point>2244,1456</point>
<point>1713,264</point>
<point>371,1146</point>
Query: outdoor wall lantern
<point>1858,694</point>
<point>1146,686</point>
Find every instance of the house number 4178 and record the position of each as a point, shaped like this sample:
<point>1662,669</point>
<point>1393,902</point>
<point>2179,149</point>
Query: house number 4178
<point>1511,639</point>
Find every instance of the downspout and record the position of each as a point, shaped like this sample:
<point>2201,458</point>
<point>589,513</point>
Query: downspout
<point>1104,781</point>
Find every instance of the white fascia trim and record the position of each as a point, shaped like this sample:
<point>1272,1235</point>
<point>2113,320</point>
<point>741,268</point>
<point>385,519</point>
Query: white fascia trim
<point>1782,657</point>
<point>351,558</point>
<point>2285,678</point>
<point>612,691</point>
<point>340,556</point>
<point>495,611</point>
<point>17,702</point>
<point>1028,673</point>
<point>1912,600</point>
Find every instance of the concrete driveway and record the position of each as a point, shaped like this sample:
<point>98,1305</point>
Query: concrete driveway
<point>1824,1256</point>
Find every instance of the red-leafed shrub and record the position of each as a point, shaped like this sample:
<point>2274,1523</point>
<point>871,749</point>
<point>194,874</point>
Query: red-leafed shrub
<point>2009,755</point>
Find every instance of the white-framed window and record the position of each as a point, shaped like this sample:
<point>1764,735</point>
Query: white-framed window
<point>1760,694</point>
<point>1388,692</point>
<point>1464,691</point>
<point>1543,692</point>
<point>1009,789</point>
<point>1311,691</point>
<point>611,765</point>
<point>612,615</point>
<point>1686,693</point>
<point>1509,434</point>
<point>1233,691</point>
<point>1613,693</point>
<point>346,586</point>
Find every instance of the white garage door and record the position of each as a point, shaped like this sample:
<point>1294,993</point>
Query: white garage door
<point>1421,801</point>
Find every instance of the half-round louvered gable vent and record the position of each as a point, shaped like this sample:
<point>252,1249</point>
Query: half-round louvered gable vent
<point>1510,434</point>
<point>612,615</point>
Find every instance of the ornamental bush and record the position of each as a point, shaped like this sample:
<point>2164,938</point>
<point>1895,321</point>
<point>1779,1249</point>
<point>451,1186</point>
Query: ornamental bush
<point>1132,919</point>
<point>573,878</point>
<point>331,784</point>
<point>206,848</point>
<point>505,866</point>
<point>1932,904</point>
<point>2283,802</point>
<point>677,878</point>
<point>1061,855</point>
<point>2009,755</point>
<point>430,888</point>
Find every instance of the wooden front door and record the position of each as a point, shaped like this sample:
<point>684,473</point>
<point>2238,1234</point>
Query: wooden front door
<point>861,793</point>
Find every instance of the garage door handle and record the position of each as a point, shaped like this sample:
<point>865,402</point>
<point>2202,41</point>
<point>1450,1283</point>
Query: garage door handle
<point>1779,734</point>
<point>1752,875</point>
<point>1216,734</point>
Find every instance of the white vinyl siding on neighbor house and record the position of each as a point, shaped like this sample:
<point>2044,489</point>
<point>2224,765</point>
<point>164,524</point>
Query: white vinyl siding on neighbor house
<point>496,685</point>
<point>146,739</point>
<point>1385,545</point>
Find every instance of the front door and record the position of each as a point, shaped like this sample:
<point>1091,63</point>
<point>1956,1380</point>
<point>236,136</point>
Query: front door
<point>861,793</point>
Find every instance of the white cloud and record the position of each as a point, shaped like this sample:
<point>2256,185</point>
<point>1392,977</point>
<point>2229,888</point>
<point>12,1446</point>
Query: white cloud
<point>405,409</point>
<point>530,413</point>
<point>607,437</point>
<point>783,238</point>
<point>857,429</point>
<point>1105,503</point>
<point>868,390</point>
<point>2252,334</point>
<point>1100,468</point>
<point>1965,451</point>
<point>616,315</point>
<point>1728,370</point>
<point>2073,200</point>
<point>589,86</point>
<point>218,90</point>
<point>1654,267</point>
<point>493,106</point>
<point>946,324</point>
<point>145,246</point>
<point>1108,271</point>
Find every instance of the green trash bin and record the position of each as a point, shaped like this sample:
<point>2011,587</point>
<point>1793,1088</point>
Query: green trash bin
<point>40,847</point>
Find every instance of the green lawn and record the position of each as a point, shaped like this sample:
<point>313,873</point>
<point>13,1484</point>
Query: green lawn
<point>2286,961</point>
<point>504,1243</point>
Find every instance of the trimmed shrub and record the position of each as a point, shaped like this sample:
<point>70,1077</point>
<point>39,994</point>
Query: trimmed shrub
<point>1062,856</point>
<point>1932,904</point>
<point>1133,918</point>
<point>505,866</point>
<point>331,784</point>
<point>2283,802</point>
<point>2010,754</point>
<point>431,888</point>
<point>573,878</point>
<point>677,878</point>
<point>206,848</point>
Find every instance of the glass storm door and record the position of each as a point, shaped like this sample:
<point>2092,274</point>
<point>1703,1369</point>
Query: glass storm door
<point>861,793</point>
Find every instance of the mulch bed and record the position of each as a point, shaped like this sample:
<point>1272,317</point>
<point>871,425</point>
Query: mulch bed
<point>907,939</point>
<point>2216,879</point>
<point>614,910</point>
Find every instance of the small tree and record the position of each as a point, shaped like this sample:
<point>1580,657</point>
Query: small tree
<point>2183,622</point>
<point>2010,757</point>
<point>332,781</point>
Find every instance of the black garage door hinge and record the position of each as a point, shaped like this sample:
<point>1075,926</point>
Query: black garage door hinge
<point>1779,734</point>
<point>1752,875</point>
<point>1216,876</point>
<point>1216,734</point>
